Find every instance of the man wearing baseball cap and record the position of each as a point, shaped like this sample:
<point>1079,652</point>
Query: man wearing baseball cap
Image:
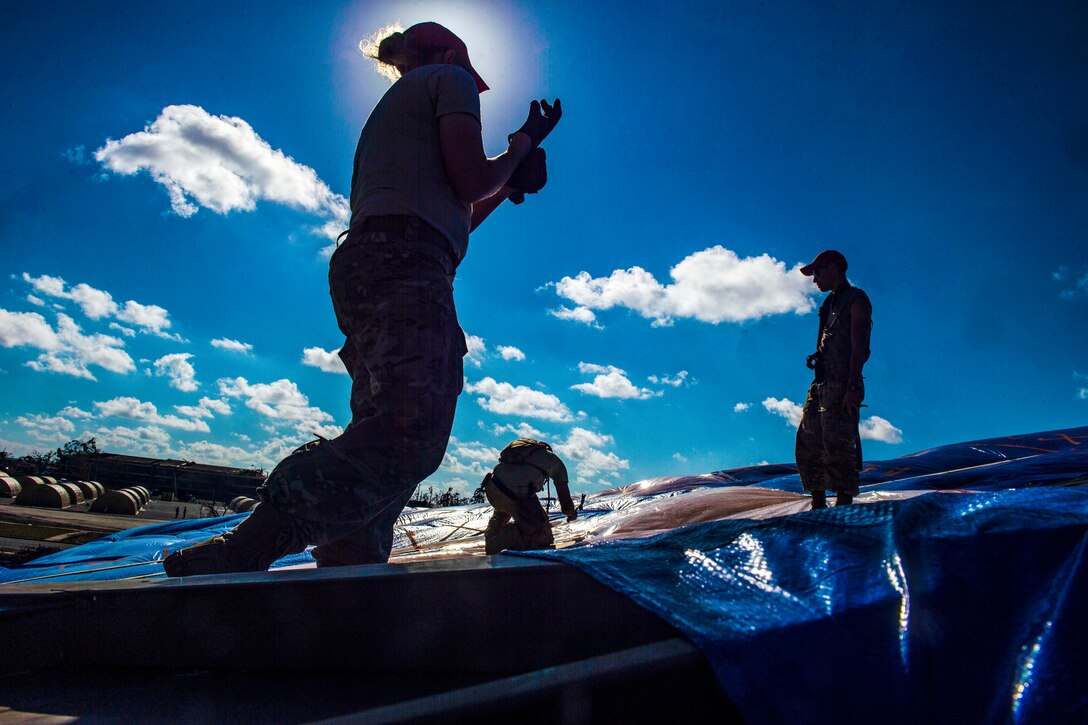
<point>828,449</point>
<point>421,183</point>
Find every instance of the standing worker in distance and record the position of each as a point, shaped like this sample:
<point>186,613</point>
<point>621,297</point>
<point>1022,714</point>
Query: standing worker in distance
<point>828,449</point>
<point>524,467</point>
<point>421,183</point>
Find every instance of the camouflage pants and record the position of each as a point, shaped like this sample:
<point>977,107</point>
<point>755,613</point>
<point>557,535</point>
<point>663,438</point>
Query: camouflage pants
<point>828,448</point>
<point>530,528</point>
<point>394,303</point>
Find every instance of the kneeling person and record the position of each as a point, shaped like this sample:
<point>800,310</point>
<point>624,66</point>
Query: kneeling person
<point>524,467</point>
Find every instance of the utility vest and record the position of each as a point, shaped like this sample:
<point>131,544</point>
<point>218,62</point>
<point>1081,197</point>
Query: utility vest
<point>833,344</point>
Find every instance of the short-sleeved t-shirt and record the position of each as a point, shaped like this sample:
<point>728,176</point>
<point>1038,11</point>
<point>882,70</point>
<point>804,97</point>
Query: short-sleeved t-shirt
<point>399,167</point>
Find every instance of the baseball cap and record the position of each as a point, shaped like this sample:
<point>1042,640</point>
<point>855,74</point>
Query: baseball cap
<point>423,35</point>
<point>828,256</point>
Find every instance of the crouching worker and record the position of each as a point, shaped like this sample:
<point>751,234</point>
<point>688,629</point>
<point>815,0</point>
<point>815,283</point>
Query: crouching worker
<point>524,468</point>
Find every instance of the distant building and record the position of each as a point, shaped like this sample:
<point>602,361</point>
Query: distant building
<point>171,478</point>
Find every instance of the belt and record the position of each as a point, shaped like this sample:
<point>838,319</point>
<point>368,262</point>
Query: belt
<point>407,227</point>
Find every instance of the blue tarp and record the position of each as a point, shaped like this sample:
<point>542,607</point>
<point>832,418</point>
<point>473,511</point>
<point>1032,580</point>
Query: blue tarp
<point>956,607</point>
<point>959,605</point>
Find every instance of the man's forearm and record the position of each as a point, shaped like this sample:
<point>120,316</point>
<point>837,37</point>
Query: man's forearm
<point>482,209</point>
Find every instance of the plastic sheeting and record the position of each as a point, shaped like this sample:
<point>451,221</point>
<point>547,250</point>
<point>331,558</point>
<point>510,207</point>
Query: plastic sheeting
<point>951,593</point>
<point>943,608</point>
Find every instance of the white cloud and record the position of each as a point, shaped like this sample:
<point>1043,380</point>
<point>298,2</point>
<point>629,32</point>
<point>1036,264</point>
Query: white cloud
<point>126,331</point>
<point>46,427</point>
<point>584,448</point>
<point>181,372</point>
<point>150,317</point>
<point>207,408</point>
<point>26,328</point>
<point>509,352</point>
<point>34,300</point>
<point>610,382</point>
<point>676,381</point>
<point>1082,393</point>
<point>522,430</point>
<point>148,440</point>
<point>282,402</point>
<point>507,399</point>
<point>97,304</point>
<point>471,459</point>
<point>220,163</point>
<point>577,314</point>
<point>225,343</point>
<point>477,349</point>
<point>785,408</point>
<point>741,407</point>
<point>73,412</point>
<point>679,457</point>
<point>325,360</point>
<point>133,409</point>
<point>714,285</point>
<point>876,428</point>
<point>67,350</point>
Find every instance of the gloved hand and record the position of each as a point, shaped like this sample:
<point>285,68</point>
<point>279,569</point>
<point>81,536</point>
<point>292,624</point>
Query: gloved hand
<point>530,176</point>
<point>540,122</point>
<point>572,513</point>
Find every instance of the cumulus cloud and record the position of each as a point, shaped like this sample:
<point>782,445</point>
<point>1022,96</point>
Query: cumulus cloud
<point>741,407</point>
<point>207,408</point>
<point>181,372</point>
<point>477,349</point>
<point>281,402</point>
<point>675,381</point>
<point>679,457</point>
<point>325,360</point>
<point>225,343</point>
<point>144,412</point>
<point>220,163</point>
<point>126,331</point>
<point>46,427</point>
<point>578,314</point>
<point>26,328</point>
<point>66,350</point>
<point>72,411</point>
<point>610,382</point>
<point>521,430</point>
<point>469,458</point>
<point>585,448</point>
<point>148,440</point>
<point>509,352</point>
<point>507,399</point>
<point>785,408</point>
<point>714,285</point>
<point>876,428</point>
<point>98,304</point>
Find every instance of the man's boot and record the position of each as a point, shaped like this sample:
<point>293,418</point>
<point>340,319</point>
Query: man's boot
<point>265,536</point>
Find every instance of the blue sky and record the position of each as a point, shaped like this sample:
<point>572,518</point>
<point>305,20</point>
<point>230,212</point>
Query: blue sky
<point>173,171</point>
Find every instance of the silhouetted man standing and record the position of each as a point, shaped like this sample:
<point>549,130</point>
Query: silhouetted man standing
<point>828,447</point>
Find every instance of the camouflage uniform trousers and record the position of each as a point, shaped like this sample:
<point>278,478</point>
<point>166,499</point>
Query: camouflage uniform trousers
<point>828,447</point>
<point>530,528</point>
<point>393,299</point>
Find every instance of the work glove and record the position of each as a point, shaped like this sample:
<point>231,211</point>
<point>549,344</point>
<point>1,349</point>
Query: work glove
<point>530,176</point>
<point>571,513</point>
<point>542,119</point>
